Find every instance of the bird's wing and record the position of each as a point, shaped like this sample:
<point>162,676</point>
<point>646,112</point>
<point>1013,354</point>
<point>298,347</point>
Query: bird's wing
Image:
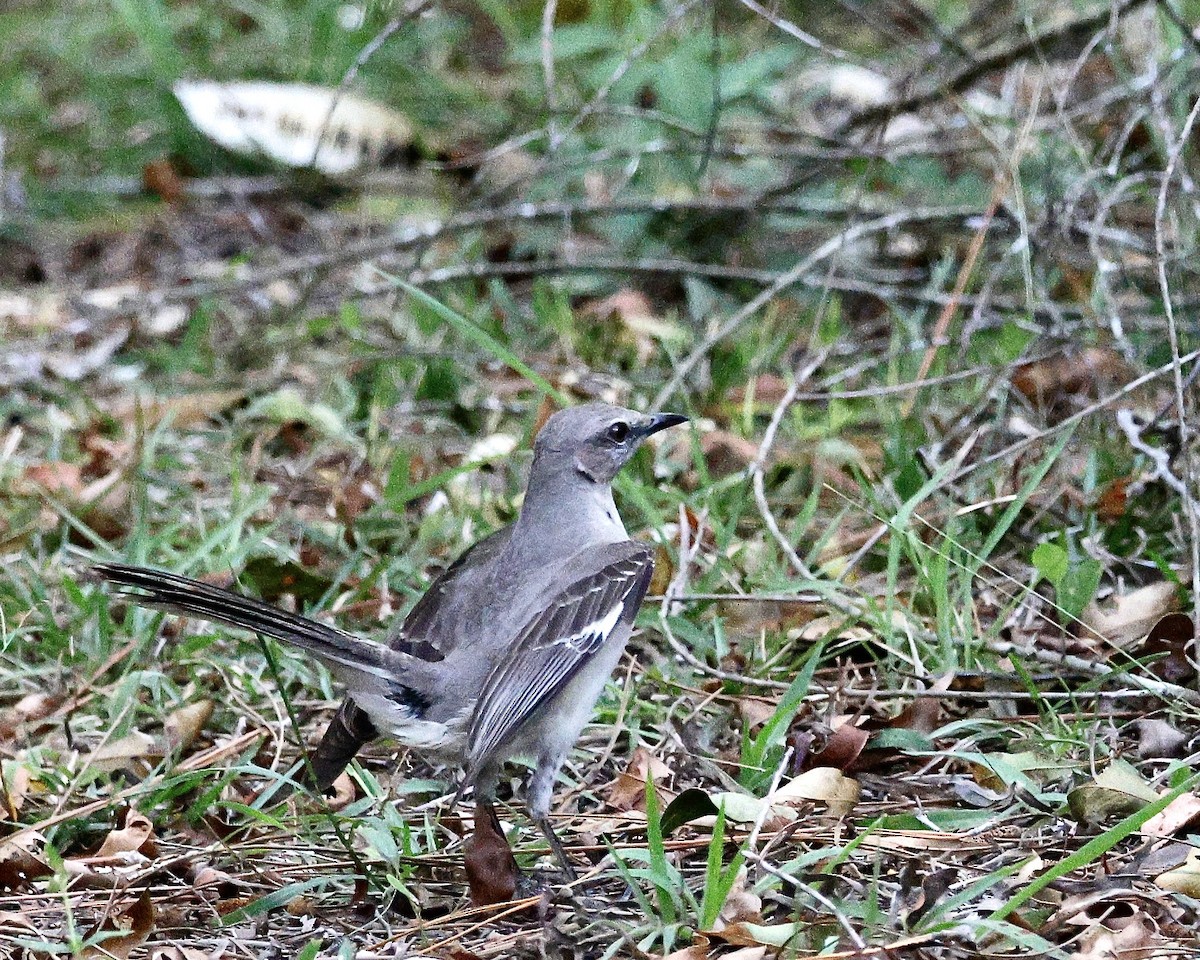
<point>423,633</point>
<point>560,638</point>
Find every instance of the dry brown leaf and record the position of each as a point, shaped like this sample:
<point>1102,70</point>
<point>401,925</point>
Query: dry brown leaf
<point>343,792</point>
<point>628,791</point>
<point>29,709</point>
<point>1137,940</point>
<point>491,869</point>
<point>768,390</point>
<point>1111,504</point>
<point>842,748</point>
<point>1130,617</point>
<point>1158,739</point>
<point>136,835</point>
<point>640,327</point>
<point>699,950</point>
<point>185,724</point>
<point>726,453</point>
<point>1169,642</point>
<point>160,178</point>
<point>741,905</point>
<point>822,785</point>
<point>137,923</point>
<point>1088,373</point>
<point>1181,812</point>
<point>20,866</point>
<point>57,477</point>
<point>910,841</point>
<point>184,410</point>
<point>14,922</point>
<point>757,937</point>
<point>14,784</point>
<point>115,754</point>
<point>175,952</point>
<point>755,711</point>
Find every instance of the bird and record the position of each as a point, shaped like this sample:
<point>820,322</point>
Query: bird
<point>507,651</point>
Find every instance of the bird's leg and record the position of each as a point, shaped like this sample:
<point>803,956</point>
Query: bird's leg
<point>540,789</point>
<point>560,852</point>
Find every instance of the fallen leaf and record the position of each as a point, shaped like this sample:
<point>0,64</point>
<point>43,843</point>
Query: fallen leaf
<point>176,952</point>
<point>1117,791</point>
<point>755,711</point>
<point>118,753</point>
<point>1169,643</point>
<point>1159,739</point>
<point>628,791</point>
<point>185,724</point>
<point>640,327</point>
<point>1049,383</point>
<point>1129,617</point>
<point>136,835</point>
<point>743,808</point>
<point>20,866</point>
<point>822,785</point>
<point>842,748</point>
<point>183,410</point>
<point>758,935</point>
<point>726,453</point>
<point>1136,940</point>
<point>491,868</point>
<point>740,906</point>
<point>160,178</point>
<point>1181,812</point>
<point>1110,505</point>
<point>298,125</point>
<point>136,925</point>
<point>31,708</point>
<point>699,950</point>
<point>14,784</point>
<point>344,792</point>
<point>690,805</point>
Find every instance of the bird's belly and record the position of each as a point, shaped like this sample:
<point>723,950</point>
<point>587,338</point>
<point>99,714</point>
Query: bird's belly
<point>554,730</point>
<point>402,724</point>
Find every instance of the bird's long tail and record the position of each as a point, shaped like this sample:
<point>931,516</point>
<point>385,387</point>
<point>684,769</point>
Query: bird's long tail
<point>358,660</point>
<point>342,652</point>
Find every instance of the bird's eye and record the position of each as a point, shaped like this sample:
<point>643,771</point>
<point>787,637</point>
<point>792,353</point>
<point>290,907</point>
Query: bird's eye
<point>618,432</point>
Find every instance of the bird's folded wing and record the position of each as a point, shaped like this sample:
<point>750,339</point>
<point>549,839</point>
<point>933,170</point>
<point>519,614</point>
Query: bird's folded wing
<point>428,631</point>
<point>557,642</point>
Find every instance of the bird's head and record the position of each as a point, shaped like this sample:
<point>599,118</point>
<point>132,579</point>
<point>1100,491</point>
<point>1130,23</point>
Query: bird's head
<point>595,440</point>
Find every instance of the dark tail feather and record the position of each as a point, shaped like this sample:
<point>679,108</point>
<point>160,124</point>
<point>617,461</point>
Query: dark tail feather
<point>182,595</point>
<point>345,735</point>
<point>349,729</point>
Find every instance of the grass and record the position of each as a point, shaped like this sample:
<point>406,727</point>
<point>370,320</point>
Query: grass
<point>951,472</point>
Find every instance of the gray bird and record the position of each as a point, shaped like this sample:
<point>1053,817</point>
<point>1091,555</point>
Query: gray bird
<point>508,650</point>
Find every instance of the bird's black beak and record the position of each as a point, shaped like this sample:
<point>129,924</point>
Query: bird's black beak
<point>661,421</point>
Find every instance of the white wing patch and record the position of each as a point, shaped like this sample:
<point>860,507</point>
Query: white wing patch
<point>594,632</point>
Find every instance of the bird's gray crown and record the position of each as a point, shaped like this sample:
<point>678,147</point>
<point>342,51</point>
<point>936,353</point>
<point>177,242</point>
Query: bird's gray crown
<point>595,440</point>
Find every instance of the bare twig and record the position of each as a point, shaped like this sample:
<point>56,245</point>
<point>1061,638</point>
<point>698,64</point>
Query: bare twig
<point>1073,33</point>
<point>788,279</point>
<point>1186,453</point>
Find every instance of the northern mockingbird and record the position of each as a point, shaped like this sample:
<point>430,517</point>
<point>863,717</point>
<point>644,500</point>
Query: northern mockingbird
<point>508,650</point>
